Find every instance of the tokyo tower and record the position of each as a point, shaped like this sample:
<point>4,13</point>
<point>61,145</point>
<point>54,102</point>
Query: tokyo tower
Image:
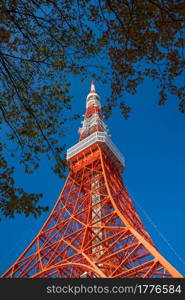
<point>93,230</point>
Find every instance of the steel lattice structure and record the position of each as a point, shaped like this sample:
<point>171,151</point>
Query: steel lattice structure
<point>93,230</point>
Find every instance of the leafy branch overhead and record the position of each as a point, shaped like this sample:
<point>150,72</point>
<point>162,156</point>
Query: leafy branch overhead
<point>44,42</point>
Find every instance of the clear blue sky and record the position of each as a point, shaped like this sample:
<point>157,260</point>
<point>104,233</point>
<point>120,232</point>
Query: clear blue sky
<point>153,143</point>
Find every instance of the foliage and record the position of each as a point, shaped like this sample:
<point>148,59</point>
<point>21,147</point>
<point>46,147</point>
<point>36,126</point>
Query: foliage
<point>143,39</point>
<point>43,42</point>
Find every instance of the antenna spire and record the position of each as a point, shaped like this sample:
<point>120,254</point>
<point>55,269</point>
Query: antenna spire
<point>92,86</point>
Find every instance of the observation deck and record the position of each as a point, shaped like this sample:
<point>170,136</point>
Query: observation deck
<point>103,139</point>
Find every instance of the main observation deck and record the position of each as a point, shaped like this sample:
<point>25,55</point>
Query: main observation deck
<point>105,143</point>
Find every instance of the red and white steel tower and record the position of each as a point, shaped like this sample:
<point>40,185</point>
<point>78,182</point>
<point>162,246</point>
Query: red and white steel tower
<point>93,229</point>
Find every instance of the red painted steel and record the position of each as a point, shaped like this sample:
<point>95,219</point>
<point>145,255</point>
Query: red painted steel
<point>93,230</point>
